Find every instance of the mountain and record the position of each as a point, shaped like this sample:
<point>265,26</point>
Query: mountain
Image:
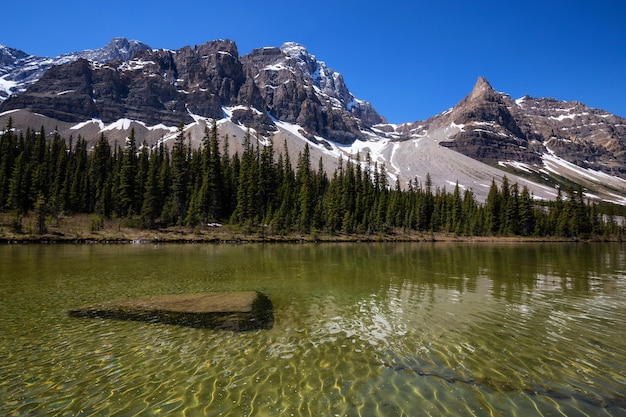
<point>498,129</point>
<point>288,94</point>
<point>542,143</point>
<point>170,87</point>
<point>19,70</point>
<point>299,89</point>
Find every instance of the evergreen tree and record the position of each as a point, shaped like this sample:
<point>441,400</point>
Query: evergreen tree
<point>152,200</point>
<point>267,182</point>
<point>228,189</point>
<point>19,186</point>
<point>58,163</point>
<point>100,171</point>
<point>493,210</point>
<point>456,211</point>
<point>426,207</point>
<point>512,226</point>
<point>526,213</point>
<point>247,204</point>
<point>306,192</point>
<point>41,210</point>
<point>8,154</point>
<point>128,184</point>
<point>180,175</point>
<point>215,177</point>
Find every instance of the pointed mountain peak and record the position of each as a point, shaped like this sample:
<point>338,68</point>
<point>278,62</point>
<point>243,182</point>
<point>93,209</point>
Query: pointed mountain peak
<point>481,87</point>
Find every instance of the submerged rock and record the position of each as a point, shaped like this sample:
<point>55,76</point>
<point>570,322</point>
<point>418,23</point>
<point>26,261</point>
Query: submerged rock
<point>236,311</point>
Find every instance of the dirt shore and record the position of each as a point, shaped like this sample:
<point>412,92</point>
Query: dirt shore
<point>86,229</point>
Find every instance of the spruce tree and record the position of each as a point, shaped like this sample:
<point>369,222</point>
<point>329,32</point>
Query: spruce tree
<point>100,170</point>
<point>305,191</point>
<point>152,207</point>
<point>180,175</point>
<point>128,178</point>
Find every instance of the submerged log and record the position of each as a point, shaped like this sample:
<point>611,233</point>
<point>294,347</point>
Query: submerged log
<point>506,386</point>
<point>236,311</point>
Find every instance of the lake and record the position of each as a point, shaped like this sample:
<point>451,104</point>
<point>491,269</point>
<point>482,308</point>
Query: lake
<point>407,329</point>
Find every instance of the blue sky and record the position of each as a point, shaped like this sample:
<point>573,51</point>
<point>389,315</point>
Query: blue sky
<point>410,59</point>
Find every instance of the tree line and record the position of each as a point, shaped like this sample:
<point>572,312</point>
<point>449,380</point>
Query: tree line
<point>261,189</point>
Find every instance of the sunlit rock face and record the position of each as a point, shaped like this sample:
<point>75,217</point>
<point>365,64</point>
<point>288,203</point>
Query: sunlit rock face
<point>496,128</point>
<point>130,80</point>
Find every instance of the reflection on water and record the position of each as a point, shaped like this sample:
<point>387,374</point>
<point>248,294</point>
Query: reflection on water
<point>360,330</point>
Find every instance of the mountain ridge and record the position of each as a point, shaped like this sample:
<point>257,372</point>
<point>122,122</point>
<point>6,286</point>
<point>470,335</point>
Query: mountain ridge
<point>19,70</point>
<point>286,92</point>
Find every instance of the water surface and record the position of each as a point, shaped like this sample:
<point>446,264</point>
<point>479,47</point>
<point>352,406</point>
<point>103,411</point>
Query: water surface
<point>360,330</point>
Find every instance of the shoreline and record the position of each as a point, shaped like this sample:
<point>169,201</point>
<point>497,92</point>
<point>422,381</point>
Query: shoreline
<point>79,230</point>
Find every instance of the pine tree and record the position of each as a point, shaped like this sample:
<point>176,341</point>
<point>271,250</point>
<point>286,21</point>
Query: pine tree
<point>143,165</point>
<point>128,178</point>
<point>282,219</point>
<point>152,207</point>
<point>512,226</point>
<point>245,210</point>
<point>8,154</point>
<point>456,211</point>
<point>267,182</point>
<point>526,213</point>
<point>230,171</point>
<point>216,178</point>
<point>100,170</point>
<point>180,175</point>
<point>320,187</point>
<point>19,185</point>
<point>41,210</point>
<point>306,192</point>
<point>493,210</point>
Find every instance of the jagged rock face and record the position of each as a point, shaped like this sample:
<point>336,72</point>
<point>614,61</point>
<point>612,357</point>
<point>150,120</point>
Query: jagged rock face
<point>496,128</point>
<point>9,57</point>
<point>171,87</point>
<point>490,132</point>
<point>299,89</point>
<point>118,48</point>
<point>63,93</point>
<point>587,137</point>
<point>154,87</point>
<point>18,70</point>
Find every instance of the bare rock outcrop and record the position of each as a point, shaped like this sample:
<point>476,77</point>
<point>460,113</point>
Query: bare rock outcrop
<point>237,311</point>
<point>494,127</point>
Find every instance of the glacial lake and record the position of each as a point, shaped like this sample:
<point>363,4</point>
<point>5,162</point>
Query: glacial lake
<point>420,329</point>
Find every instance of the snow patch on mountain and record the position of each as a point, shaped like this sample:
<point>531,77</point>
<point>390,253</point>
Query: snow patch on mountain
<point>121,124</point>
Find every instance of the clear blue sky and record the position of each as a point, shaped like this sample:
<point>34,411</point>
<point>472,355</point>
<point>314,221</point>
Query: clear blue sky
<point>410,59</point>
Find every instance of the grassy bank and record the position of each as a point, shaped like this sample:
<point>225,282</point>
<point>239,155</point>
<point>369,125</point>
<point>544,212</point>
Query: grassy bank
<point>91,229</point>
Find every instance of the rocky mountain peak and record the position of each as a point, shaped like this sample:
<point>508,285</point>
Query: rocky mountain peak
<point>299,89</point>
<point>328,81</point>
<point>8,56</point>
<point>496,129</point>
<point>117,48</point>
<point>481,88</point>
<point>483,103</point>
<point>19,70</point>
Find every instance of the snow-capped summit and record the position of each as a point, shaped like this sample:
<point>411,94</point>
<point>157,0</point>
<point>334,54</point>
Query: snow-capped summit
<point>9,56</point>
<point>19,70</point>
<point>300,89</point>
<point>328,81</point>
<point>117,48</point>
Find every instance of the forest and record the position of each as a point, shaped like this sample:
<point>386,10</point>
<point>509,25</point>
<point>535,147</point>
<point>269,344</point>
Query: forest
<point>50,176</point>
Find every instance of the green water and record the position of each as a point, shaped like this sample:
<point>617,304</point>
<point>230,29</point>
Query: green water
<point>360,330</point>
